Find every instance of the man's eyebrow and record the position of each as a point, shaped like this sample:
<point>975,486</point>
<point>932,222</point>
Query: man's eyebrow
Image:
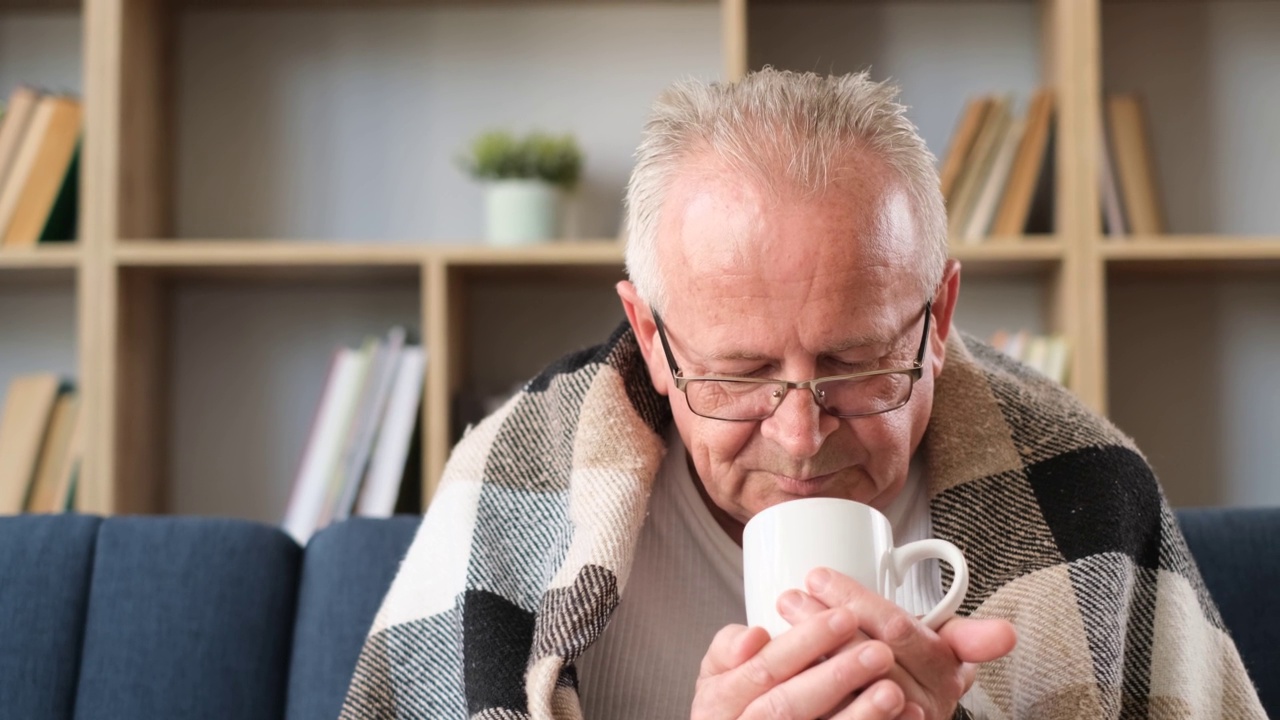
<point>859,342</point>
<point>737,356</point>
<point>853,343</point>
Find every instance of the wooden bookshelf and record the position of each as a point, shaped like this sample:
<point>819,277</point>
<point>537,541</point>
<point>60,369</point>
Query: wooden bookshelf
<point>135,257</point>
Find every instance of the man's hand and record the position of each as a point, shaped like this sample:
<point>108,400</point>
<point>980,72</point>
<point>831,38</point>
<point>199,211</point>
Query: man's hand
<point>802,674</point>
<point>933,669</point>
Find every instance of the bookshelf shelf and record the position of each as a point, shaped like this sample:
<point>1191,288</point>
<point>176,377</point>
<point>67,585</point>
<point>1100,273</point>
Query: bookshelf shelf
<point>41,257</point>
<point>38,5</point>
<point>322,4</point>
<point>1010,256</point>
<point>272,259</point>
<point>248,253</point>
<point>1193,250</point>
<point>577,252</point>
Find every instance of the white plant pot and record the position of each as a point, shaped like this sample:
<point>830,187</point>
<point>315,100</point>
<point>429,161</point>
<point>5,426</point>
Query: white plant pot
<point>521,212</point>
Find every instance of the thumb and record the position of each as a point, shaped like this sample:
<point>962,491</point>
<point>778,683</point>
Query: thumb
<point>979,641</point>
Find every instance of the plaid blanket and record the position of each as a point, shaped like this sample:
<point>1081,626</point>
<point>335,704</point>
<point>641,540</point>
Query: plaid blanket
<point>527,547</point>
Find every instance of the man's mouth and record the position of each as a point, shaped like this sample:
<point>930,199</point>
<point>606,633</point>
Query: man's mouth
<point>804,485</point>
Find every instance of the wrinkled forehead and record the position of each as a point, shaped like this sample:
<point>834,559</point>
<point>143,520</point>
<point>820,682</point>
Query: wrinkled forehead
<point>720,228</point>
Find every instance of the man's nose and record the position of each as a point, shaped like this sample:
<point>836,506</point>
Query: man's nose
<point>799,426</point>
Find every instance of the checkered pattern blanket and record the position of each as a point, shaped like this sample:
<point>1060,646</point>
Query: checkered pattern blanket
<point>527,547</point>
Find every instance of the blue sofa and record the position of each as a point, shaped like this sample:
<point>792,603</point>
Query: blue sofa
<point>179,617</point>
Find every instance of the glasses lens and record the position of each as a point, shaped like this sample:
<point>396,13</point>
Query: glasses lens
<point>866,395</point>
<point>732,400</point>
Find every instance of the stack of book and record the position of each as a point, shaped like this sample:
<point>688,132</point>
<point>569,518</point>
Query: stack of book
<point>996,175</point>
<point>1130,202</point>
<point>1047,354</point>
<point>39,167</point>
<point>41,444</point>
<point>359,455</point>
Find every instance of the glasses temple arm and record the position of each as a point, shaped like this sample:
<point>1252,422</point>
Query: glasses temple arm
<point>666,348</point>
<point>928,317</point>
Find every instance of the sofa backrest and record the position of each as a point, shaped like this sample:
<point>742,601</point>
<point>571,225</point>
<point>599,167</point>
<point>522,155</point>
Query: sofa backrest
<point>45,571</point>
<point>348,569</point>
<point>145,618</point>
<point>187,618</point>
<point>1238,552</point>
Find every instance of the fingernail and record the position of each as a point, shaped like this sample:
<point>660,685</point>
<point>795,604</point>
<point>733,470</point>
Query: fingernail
<point>886,699</point>
<point>790,600</point>
<point>875,657</point>
<point>818,580</point>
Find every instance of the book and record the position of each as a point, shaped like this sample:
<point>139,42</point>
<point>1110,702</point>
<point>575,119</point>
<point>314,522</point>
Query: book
<point>17,116</point>
<point>973,176</point>
<point>1047,354</point>
<point>372,408</point>
<point>984,208</point>
<point>1031,157</point>
<point>1058,359</point>
<point>1135,169</point>
<point>23,163</point>
<point>65,487</point>
<point>61,223</point>
<point>961,144</point>
<point>1113,222</point>
<point>1035,352</point>
<point>324,443</point>
<point>28,405</point>
<point>47,494</point>
<point>395,436</point>
<point>47,178</point>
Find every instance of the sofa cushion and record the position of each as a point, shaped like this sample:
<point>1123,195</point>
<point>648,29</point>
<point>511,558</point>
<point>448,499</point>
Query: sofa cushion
<point>1238,552</point>
<point>188,618</point>
<point>347,571</point>
<point>45,568</point>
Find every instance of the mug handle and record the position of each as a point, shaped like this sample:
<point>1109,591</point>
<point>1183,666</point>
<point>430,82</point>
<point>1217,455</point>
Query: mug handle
<point>904,557</point>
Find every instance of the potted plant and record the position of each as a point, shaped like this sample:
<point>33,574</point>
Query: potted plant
<point>525,182</point>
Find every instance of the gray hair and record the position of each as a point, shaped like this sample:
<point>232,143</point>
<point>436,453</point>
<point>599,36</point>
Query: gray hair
<point>779,125</point>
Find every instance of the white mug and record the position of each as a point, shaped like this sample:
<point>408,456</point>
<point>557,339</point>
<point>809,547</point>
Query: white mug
<point>782,543</point>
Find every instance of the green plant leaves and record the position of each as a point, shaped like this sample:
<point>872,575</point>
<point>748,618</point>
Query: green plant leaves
<point>498,154</point>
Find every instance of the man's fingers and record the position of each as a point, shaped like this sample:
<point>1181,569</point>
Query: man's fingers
<point>932,670</point>
<point>881,701</point>
<point>796,605</point>
<point>790,653</point>
<point>979,641</point>
<point>748,644</point>
<point>826,685</point>
<point>731,647</point>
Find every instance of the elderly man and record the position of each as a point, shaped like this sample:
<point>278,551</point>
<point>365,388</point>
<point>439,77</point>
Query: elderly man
<point>789,319</point>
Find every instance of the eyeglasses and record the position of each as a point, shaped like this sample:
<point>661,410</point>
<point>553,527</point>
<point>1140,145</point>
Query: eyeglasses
<point>724,397</point>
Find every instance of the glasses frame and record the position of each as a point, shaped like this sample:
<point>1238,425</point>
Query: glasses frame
<point>914,372</point>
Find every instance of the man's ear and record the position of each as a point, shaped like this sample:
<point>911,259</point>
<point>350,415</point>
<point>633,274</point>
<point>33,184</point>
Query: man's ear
<point>944,308</point>
<point>641,319</point>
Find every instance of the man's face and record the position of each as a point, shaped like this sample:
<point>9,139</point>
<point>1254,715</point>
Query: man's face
<point>780,286</point>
